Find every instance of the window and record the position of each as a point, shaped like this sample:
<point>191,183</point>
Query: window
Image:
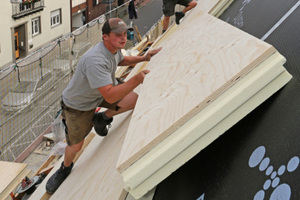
<point>55,18</point>
<point>35,24</point>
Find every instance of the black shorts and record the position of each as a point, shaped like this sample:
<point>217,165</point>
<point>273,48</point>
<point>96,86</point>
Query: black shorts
<point>169,6</point>
<point>110,106</point>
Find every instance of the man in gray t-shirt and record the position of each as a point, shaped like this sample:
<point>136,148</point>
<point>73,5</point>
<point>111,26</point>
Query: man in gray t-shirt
<point>96,69</point>
<point>94,84</point>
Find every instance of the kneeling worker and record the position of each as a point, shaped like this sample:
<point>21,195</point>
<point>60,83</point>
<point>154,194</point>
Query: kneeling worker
<point>94,85</point>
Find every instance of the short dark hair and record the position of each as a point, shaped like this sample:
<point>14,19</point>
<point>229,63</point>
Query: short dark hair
<point>106,28</point>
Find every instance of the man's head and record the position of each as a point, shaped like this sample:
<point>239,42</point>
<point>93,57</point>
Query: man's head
<point>114,34</point>
<point>115,25</point>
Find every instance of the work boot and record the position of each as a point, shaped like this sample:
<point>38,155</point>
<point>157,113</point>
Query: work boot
<point>57,178</point>
<point>101,125</point>
<point>178,16</point>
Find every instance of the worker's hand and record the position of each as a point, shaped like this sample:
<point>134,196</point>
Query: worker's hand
<point>140,76</point>
<point>151,53</point>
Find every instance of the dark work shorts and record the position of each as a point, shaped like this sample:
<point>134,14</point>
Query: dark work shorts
<point>110,106</point>
<point>169,6</point>
<point>78,124</point>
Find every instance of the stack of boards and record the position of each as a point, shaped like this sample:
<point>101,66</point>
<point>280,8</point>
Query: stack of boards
<point>208,76</point>
<point>11,175</point>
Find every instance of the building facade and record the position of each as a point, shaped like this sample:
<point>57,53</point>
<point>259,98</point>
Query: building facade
<point>27,26</point>
<point>85,11</point>
<point>79,15</point>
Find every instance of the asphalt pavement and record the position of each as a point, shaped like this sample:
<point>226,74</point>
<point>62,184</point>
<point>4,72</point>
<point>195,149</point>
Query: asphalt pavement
<point>149,12</point>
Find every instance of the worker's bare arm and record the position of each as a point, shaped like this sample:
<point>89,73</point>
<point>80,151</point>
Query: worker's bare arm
<point>115,93</point>
<point>151,53</point>
<point>129,60</point>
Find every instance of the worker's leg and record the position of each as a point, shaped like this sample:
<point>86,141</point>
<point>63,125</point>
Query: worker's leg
<point>103,120</point>
<point>168,10</point>
<point>127,103</point>
<point>70,153</point>
<point>65,169</point>
<point>131,23</point>
<point>166,23</point>
<point>189,4</point>
<point>78,126</point>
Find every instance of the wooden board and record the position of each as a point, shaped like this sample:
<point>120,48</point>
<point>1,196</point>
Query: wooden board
<point>193,149</point>
<point>214,7</point>
<point>8,172</point>
<point>206,126</point>
<point>11,175</point>
<point>192,69</point>
<point>122,69</point>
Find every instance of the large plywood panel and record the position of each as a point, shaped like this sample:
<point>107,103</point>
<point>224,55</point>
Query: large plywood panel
<point>203,125</point>
<point>213,7</point>
<point>200,60</point>
<point>211,135</point>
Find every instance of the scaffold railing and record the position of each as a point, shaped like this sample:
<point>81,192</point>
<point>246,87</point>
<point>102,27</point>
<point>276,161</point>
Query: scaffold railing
<point>31,88</point>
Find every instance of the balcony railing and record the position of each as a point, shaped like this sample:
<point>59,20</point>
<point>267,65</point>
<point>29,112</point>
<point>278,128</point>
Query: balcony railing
<point>27,8</point>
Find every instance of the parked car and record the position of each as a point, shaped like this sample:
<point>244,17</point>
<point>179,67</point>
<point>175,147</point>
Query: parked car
<point>32,85</point>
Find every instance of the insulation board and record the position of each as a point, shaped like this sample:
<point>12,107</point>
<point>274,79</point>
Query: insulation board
<point>205,127</point>
<point>194,70</point>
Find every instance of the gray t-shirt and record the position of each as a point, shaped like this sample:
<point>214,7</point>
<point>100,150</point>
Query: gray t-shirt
<point>95,69</point>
